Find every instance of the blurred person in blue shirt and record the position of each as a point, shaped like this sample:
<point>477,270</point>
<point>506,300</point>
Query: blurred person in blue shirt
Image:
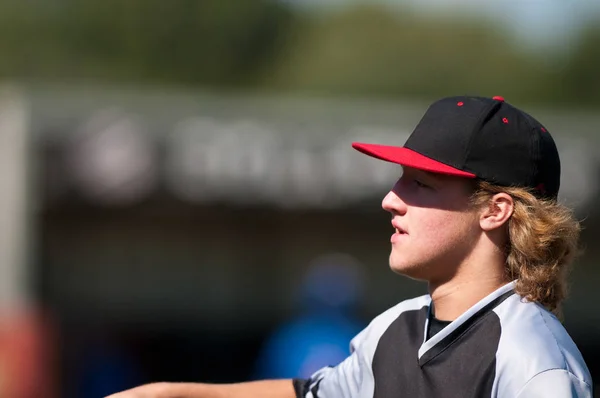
<point>320,334</point>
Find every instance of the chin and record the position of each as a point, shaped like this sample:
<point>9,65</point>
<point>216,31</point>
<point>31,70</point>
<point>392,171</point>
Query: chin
<point>421,269</point>
<point>412,271</point>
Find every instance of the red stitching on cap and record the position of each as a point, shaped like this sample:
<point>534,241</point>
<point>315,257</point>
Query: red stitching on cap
<point>544,130</point>
<point>498,98</point>
<point>541,188</point>
<point>460,103</point>
<point>504,120</point>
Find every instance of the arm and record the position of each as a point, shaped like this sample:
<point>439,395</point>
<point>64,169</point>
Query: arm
<point>265,389</point>
<point>557,383</point>
<point>344,380</point>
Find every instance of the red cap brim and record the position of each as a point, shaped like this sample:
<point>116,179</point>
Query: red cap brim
<point>409,158</point>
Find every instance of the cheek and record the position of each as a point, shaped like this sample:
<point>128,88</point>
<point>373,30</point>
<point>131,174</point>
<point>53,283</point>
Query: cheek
<point>444,230</point>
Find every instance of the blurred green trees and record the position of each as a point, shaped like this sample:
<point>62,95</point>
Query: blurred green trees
<point>262,44</point>
<point>211,42</point>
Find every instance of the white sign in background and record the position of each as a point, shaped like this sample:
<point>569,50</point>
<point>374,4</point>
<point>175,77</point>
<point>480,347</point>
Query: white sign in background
<point>112,159</point>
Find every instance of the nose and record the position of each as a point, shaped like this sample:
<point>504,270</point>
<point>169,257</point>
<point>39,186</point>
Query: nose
<point>393,203</point>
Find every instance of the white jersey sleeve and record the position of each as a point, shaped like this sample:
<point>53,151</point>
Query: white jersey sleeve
<point>354,376</point>
<point>343,380</point>
<point>557,383</point>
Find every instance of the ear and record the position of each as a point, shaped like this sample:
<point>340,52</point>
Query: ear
<point>499,210</point>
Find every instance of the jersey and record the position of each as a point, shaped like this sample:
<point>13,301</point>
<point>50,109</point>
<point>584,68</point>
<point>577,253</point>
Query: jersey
<point>502,347</point>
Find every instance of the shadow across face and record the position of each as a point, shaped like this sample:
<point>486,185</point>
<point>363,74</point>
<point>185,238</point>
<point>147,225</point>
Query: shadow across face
<point>423,189</point>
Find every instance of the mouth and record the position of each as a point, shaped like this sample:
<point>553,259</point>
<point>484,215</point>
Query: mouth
<point>399,233</point>
<point>398,229</point>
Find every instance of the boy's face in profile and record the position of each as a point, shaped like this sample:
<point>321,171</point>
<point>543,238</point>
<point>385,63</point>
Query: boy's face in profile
<point>435,226</point>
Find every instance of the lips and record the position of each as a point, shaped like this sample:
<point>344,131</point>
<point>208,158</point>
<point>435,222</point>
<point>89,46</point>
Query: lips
<point>398,228</point>
<point>399,233</point>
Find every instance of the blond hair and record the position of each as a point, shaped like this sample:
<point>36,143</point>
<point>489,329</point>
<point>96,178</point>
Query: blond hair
<point>543,238</point>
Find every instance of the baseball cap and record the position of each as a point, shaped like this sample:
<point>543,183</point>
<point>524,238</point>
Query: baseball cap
<point>478,137</point>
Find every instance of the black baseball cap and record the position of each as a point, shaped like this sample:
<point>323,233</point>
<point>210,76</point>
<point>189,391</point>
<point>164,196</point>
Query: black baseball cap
<point>477,137</point>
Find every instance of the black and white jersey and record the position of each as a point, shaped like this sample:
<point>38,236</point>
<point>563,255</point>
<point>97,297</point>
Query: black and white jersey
<point>502,347</point>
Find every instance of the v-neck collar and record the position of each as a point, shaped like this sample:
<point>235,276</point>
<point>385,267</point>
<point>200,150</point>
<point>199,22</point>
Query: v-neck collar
<point>432,347</point>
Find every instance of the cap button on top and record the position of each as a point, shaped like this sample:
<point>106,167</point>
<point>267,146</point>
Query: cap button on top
<point>498,98</point>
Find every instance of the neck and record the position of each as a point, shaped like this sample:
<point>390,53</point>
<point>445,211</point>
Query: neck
<point>475,279</point>
<point>451,300</point>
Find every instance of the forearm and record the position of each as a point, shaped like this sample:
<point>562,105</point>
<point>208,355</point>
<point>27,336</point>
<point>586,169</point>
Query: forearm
<point>262,389</point>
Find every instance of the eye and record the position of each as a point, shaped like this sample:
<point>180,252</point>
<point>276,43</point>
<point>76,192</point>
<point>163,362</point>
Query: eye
<point>420,184</point>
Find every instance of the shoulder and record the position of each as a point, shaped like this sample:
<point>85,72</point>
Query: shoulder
<point>387,317</point>
<point>555,383</point>
<point>380,323</point>
<point>413,304</point>
<point>533,341</point>
<point>354,374</point>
